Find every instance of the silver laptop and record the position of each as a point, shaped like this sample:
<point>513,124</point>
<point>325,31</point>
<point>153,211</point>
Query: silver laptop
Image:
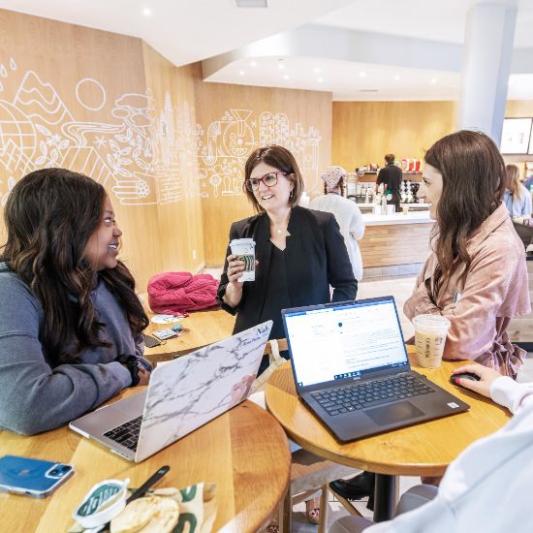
<point>351,368</point>
<point>182,395</point>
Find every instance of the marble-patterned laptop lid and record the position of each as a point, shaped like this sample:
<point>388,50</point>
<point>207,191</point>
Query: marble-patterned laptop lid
<point>191,390</point>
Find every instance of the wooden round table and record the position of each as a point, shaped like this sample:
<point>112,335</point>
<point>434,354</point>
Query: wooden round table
<point>424,449</point>
<point>199,329</point>
<point>245,452</point>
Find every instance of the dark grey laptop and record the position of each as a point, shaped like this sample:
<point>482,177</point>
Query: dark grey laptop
<point>351,368</point>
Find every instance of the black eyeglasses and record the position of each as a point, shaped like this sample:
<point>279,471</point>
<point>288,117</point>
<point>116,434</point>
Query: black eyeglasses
<point>270,179</point>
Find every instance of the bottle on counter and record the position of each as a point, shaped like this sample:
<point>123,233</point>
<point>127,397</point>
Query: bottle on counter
<point>384,202</point>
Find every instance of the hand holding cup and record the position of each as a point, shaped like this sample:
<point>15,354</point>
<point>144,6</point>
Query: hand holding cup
<point>236,267</point>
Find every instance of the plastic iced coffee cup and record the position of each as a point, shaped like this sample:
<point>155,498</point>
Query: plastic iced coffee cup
<point>430,337</point>
<point>245,250</point>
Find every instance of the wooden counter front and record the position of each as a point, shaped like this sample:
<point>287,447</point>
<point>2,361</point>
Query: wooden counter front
<point>395,244</point>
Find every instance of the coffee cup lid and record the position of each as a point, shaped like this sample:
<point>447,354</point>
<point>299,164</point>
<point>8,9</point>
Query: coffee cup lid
<point>242,241</point>
<point>431,321</point>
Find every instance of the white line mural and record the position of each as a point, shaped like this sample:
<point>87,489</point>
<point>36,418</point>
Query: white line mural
<point>227,142</point>
<point>142,156</point>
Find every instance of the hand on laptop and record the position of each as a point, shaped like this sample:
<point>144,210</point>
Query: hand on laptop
<point>486,375</point>
<point>144,376</point>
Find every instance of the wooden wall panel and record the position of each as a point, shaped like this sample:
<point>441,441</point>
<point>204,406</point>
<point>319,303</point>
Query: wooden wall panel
<point>110,107</point>
<point>363,132</point>
<point>235,120</point>
<point>403,244</point>
<point>74,97</point>
<point>519,108</point>
<point>180,226</point>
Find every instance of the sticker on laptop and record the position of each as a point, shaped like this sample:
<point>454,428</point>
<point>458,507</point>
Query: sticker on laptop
<point>453,405</point>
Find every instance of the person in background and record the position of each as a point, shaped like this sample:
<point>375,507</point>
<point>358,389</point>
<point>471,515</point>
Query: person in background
<point>516,197</point>
<point>346,213</point>
<point>70,321</point>
<point>476,275</point>
<point>528,183</point>
<point>391,177</point>
<point>464,501</point>
<point>300,253</point>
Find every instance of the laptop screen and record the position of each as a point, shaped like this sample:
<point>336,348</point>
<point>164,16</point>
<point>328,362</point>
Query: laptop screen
<point>344,340</point>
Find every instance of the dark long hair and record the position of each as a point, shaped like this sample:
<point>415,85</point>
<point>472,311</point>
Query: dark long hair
<point>473,182</point>
<point>50,215</point>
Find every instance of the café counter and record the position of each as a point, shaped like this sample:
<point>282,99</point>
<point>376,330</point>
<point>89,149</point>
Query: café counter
<point>396,243</point>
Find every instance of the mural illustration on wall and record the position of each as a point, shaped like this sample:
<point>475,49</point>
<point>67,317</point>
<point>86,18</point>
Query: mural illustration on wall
<point>141,156</point>
<point>227,142</point>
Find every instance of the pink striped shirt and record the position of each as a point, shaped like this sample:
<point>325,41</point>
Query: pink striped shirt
<point>495,290</point>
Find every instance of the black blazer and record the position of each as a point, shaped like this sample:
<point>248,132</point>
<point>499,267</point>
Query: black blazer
<point>316,257</point>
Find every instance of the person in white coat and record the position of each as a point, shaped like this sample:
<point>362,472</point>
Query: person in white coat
<point>487,488</point>
<point>347,214</point>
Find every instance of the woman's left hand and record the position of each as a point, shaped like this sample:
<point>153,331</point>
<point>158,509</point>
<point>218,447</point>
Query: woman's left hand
<point>144,376</point>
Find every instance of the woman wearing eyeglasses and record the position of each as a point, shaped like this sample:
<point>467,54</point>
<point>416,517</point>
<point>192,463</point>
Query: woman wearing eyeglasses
<point>300,253</point>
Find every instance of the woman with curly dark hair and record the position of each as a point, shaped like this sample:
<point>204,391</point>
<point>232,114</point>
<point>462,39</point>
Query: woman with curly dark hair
<point>70,321</point>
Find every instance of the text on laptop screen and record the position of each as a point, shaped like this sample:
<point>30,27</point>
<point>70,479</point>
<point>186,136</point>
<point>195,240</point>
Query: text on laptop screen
<point>344,341</point>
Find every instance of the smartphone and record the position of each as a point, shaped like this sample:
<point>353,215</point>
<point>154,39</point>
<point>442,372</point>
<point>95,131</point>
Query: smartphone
<point>151,342</point>
<point>164,334</point>
<point>34,477</point>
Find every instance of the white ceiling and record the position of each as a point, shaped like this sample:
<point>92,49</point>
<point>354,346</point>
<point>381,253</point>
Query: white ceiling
<point>348,80</point>
<point>436,20</point>
<point>185,31</point>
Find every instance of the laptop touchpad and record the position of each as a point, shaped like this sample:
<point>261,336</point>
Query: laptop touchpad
<point>393,413</point>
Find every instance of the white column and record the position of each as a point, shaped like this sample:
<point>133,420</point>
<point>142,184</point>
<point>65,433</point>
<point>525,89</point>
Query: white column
<point>488,49</point>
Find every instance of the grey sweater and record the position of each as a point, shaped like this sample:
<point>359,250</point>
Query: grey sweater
<point>36,396</point>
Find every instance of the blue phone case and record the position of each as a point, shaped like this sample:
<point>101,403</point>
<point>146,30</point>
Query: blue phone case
<point>31,476</point>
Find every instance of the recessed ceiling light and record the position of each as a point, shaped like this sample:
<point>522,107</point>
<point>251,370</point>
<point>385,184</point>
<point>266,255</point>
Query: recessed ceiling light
<point>281,64</point>
<point>253,63</point>
<point>251,3</point>
<point>362,74</point>
<point>285,76</point>
<point>320,80</point>
<point>397,77</point>
<point>147,12</point>
<point>433,81</point>
<point>241,73</point>
<point>317,70</point>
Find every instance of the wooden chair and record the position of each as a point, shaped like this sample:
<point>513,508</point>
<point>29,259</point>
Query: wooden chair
<point>310,474</point>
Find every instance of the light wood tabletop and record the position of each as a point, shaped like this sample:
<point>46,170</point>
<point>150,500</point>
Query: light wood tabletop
<point>199,329</point>
<point>424,449</point>
<point>245,452</point>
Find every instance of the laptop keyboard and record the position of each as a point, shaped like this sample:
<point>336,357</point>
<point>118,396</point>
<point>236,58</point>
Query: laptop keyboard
<point>126,434</point>
<point>357,396</point>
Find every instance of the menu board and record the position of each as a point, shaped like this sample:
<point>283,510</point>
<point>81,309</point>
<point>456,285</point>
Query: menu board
<point>516,135</point>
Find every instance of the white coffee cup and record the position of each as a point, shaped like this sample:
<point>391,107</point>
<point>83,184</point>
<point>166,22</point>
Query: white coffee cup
<point>431,332</point>
<point>245,249</point>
